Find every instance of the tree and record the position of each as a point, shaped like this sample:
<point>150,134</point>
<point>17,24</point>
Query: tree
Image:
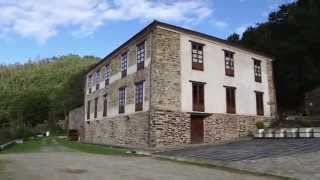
<point>234,38</point>
<point>291,35</point>
<point>42,91</point>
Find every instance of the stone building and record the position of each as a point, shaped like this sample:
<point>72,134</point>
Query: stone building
<point>76,122</point>
<point>168,86</point>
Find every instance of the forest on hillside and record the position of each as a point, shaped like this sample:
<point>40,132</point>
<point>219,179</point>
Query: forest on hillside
<point>41,92</point>
<point>292,36</point>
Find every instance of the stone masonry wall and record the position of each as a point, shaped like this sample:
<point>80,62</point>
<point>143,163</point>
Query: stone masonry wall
<point>226,127</point>
<point>165,71</point>
<point>131,130</point>
<point>167,127</point>
<point>272,89</point>
<point>76,118</point>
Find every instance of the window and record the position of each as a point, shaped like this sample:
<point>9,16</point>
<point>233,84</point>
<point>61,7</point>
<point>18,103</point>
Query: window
<point>122,98</point>
<point>231,99</point>
<point>90,84</point>
<point>229,63</point>
<point>257,70</point>
<point>140,55</point>
<point>105,105</point>
<point>259,103</point>
<point>88,110</point>
<point>97,79</point>
<point>139,96</point>
<point>197,56</point>
<point>124,64</point>
<point>95,107</point>
<point>107,74</point>
<point>198,96</point>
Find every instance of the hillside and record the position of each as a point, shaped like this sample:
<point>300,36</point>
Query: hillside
<point>42,91</point>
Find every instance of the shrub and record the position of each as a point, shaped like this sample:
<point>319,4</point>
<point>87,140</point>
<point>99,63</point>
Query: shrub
<point>24,133</point>
<point>260,125</point>
<point>6,135</point>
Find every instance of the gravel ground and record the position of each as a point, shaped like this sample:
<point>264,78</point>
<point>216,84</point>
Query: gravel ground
<point>67,165</point>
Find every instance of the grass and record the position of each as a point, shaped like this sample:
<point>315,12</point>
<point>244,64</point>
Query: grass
<point>92,148</point>
<point>36,145</point>
<point>29,146</point>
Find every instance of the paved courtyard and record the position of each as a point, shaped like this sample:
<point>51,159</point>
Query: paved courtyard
<point>56,162</point>
<point>299,158</point>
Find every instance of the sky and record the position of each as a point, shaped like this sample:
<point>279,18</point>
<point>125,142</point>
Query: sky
<point>35,29</point>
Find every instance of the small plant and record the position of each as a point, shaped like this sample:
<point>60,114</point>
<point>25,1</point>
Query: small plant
<point>259,125</point>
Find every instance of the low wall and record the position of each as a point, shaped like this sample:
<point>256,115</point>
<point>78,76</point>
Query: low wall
<point>225,127</point>
<point>174,128</point>
<point>131,130</point>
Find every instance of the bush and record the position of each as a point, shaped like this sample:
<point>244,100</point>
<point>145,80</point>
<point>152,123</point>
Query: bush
<point>260,125</point>
<point>6,135</point>
<point>24,133</point>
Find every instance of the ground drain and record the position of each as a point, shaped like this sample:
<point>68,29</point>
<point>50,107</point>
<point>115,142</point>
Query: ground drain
<point>74,170</point>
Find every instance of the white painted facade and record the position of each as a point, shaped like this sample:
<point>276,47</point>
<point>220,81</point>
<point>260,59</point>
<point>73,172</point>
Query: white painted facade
<point>214,77</point>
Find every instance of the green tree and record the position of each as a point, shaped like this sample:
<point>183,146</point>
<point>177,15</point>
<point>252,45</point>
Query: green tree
<point>292,36</point>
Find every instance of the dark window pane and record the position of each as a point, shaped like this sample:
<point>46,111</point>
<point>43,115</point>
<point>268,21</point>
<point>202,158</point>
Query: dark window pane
<point>139,96</point>
<point>122,95</point>
<point>198,96</point>
<point>257,70</point>
<point>230,100</point>
<point>197,56</point>
<point>95,107</point>
<point>88,110</point>
<point>259,103</point>
<point>229,63</point>
<point>105,106</point>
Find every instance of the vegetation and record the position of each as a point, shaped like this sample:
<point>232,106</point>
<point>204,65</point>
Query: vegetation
<point>93,149</point>
<point>291,35</point>
<point>36,95</point>
<point>259,125</point>
<point>28,146</point>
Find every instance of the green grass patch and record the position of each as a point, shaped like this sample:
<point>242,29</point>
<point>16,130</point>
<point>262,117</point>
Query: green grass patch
<point>92,148</point>
<point>28,146</point>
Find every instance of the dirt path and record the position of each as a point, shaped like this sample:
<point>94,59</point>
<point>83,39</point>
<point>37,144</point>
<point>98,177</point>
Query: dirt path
<point>59,163</point>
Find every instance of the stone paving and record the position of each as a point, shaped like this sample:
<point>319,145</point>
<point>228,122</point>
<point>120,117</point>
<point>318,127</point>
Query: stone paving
<point>249,150</point>
<point>297,158</point>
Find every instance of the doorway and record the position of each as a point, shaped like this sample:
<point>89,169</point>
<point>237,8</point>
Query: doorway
<point>197,130</point>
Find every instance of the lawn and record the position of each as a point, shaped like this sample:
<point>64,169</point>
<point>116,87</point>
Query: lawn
<point>54,144</point>
<point>91,148</point>
<point>29,146</point>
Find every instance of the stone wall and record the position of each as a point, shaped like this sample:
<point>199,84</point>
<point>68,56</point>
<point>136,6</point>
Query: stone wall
<point>226,127</point>
<point>76,118</point>
<point>131,130</point>
<point>272,89</point>
<point>165,70</point>
<point>167,124</point>
<point>169,128</point>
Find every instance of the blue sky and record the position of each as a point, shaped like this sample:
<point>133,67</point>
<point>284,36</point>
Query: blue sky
<point>33,29</point>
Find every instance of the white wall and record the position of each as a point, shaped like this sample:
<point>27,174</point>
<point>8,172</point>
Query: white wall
<point>215,78</point>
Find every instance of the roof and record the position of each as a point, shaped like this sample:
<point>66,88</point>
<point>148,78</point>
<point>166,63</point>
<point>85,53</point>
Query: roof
<point>181,29</point>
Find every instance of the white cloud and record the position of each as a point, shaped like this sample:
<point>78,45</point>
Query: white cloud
<point>43,19</point>
<point>220,24</point>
